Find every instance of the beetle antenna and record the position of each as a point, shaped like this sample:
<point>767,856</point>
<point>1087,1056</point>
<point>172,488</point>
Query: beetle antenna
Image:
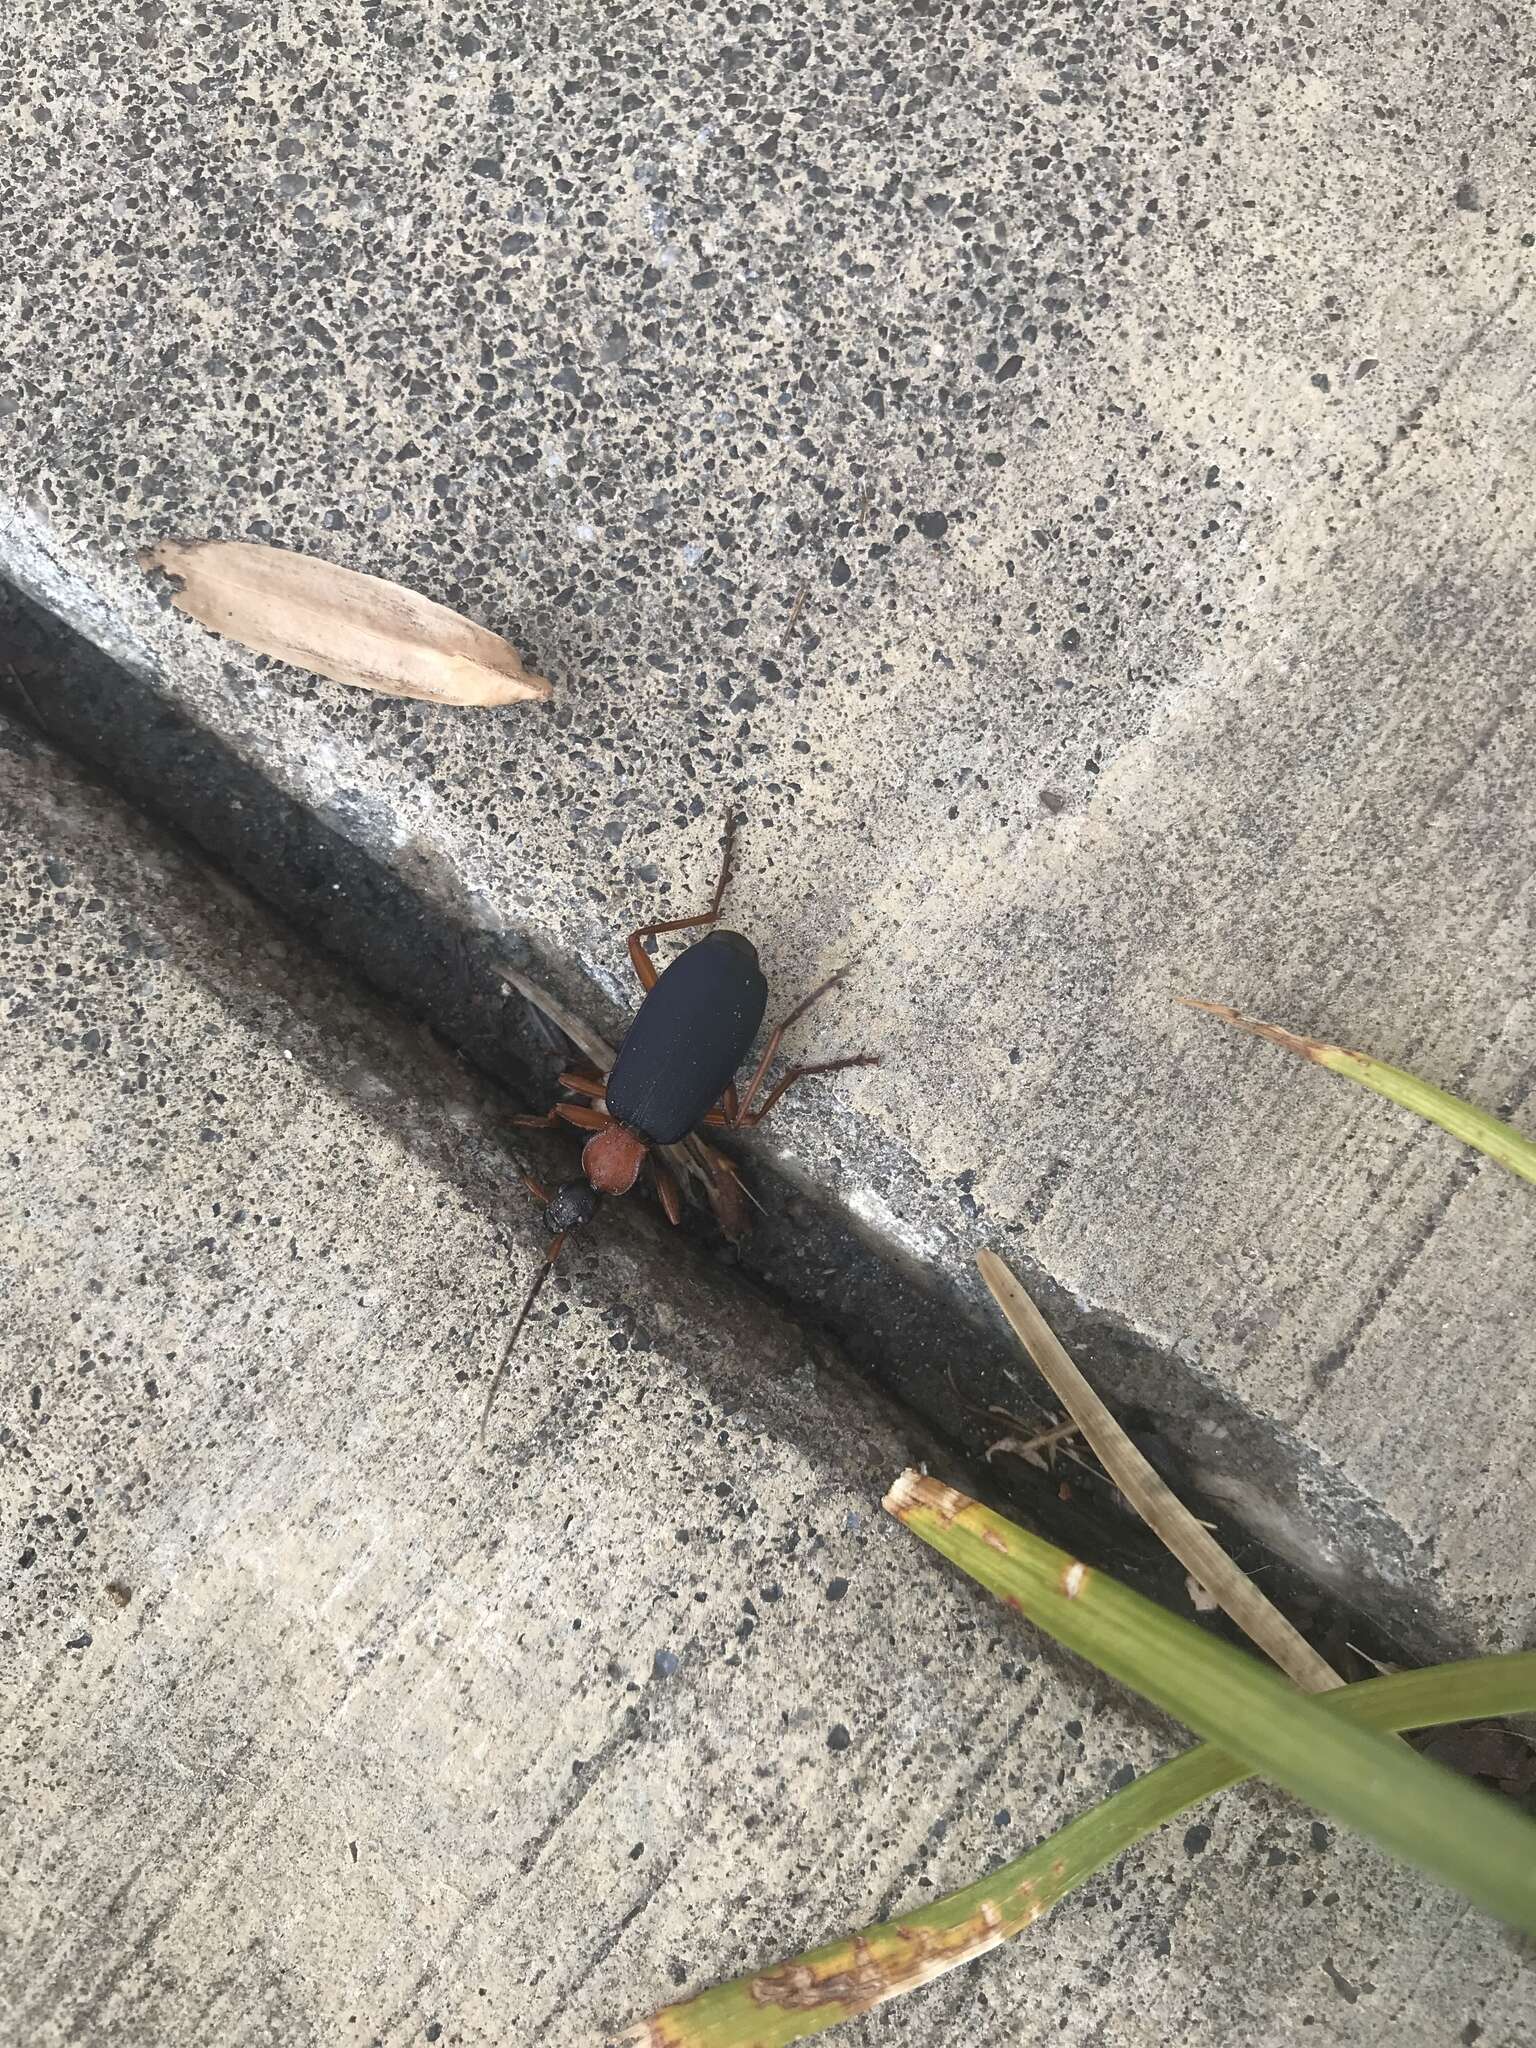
<point>533,1294</point>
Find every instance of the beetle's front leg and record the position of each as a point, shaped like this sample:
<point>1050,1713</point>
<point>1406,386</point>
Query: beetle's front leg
<point>640,960</point>
<point>577,1113</point>
<point>548,1122</point>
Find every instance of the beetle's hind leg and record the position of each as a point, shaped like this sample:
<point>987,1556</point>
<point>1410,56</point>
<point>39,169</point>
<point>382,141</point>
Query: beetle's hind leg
<point>747,1118</point>
<point>641,961</point>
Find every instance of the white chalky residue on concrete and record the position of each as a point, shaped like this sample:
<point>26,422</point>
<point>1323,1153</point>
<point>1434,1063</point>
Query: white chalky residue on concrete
<point>871,1207</point>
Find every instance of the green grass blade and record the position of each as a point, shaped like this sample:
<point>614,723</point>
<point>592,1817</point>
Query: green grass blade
<point>836,1982</point>
<point>1478,1844</point>
<point>1472,1126</point>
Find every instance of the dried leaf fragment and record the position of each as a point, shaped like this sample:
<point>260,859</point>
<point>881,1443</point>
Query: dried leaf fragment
<point>338,623</point>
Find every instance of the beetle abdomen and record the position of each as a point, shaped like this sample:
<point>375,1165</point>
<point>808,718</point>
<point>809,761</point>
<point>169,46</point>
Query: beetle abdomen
<point>689,1037</point>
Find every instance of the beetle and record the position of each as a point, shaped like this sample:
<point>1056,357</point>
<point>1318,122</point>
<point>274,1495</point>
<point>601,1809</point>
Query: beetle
<point>674,1072</point>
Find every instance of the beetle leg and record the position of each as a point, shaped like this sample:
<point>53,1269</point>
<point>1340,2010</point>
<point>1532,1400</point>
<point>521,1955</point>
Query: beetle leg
<point>730,1105</point>
<point>539,1193</point>
<point>579,1114</point>
<point>749,1119</point>
<point>640,960</point>
<point>728,1195</point>
<point>569,1112</point>
<point>760,1072</point>
<point>667,1189</point>
<point>585,1084</point>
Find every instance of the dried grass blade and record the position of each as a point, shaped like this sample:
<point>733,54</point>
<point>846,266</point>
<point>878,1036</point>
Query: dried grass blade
<point>1472,1126</point>
<point>1189,1540</point>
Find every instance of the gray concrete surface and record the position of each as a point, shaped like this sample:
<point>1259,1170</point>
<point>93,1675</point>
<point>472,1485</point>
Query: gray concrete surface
<point>1069,483</point>
<point>324,1725</point>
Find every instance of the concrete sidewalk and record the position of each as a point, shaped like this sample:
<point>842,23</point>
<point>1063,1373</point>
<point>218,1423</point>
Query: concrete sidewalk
<point>324,1724</point>
<point>1069,487</point>
<point>1072,492</point>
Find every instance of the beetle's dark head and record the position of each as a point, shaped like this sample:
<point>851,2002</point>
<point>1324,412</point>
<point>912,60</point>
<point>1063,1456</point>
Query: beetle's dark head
<point>573,1204</point>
